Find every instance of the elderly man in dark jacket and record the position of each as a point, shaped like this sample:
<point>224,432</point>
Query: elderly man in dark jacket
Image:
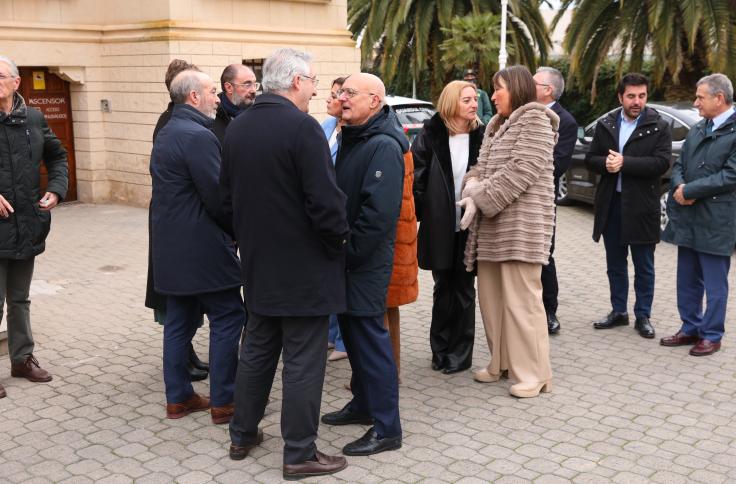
<point>289,217</point>
<point>25,139</point>
<point>194,259</point>
<point>370,170</point>
<point>702,218</point>
<point>631,150</point>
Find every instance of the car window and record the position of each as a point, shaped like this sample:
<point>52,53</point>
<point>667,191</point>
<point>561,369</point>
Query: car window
<point>590,131</point>
<point>679,131</point>
<point>413,115</point>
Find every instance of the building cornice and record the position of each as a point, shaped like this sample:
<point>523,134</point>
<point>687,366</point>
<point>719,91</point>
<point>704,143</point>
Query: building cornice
<point>170,30</point>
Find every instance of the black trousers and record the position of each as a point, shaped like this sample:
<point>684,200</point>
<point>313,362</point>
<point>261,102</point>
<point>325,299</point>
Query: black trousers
<point>303,341</point>
<point>550,289</point>
<point>452,331</point>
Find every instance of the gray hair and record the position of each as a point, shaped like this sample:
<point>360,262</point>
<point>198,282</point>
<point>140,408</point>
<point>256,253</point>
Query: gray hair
<point>556,80</point>
<point>184,83</point>
<point>13,68</point>
<point>718,84</point>
<point>279,69</point>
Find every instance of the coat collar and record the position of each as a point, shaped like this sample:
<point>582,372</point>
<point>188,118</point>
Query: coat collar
<point>499,125</point>
<point>18,113</point>
<point>185,111</point>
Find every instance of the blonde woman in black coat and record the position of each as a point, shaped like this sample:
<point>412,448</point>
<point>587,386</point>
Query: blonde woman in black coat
<point>443,152</point>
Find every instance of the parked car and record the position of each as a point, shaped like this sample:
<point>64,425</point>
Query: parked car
<point>579,184</point>
<point>411,113</point>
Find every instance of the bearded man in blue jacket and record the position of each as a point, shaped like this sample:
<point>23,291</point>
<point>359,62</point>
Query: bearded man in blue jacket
<point>195,261</point>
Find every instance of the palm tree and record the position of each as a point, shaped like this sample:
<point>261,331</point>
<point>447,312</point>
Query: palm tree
<point>401,38</point>
<point>683,37</point>
<point>473,40</point>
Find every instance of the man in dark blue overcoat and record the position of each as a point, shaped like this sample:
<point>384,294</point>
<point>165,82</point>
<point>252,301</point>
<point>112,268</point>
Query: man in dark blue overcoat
<point>195,260</point>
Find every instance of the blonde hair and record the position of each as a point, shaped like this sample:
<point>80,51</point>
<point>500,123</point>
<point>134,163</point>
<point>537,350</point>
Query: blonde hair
<point>447,107</point>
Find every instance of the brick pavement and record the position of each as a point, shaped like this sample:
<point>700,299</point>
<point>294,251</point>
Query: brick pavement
<point>623,408</point>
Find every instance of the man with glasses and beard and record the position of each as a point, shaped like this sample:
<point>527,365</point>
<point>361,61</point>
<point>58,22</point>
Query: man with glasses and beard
<point>239,88</point>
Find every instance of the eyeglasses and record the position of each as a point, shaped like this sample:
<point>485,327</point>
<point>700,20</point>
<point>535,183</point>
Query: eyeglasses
<point>314,79</point>
<point>542,84</point>
<point>248,85</point>
<point>351,93</point>
<point>4,77</point>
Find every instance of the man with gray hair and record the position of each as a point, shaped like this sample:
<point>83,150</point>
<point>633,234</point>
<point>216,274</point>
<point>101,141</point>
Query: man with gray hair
<point>550,86</point>
<point>25,217</point>
<point>194,258</point>
<point>279,186</point>
<point>239,88</point>
<point>702,218</point>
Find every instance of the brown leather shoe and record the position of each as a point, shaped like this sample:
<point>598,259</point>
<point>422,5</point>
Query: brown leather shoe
<point>705,347</point>
<point>2,392</point>
<point>30,370</point>
<point>238,452</point>
<point>221,415</point>
<point>322,465</point>
<point>679,339</point>
<point>195,403</point>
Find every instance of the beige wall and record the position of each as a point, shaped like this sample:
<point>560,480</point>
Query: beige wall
<point>119,51</point>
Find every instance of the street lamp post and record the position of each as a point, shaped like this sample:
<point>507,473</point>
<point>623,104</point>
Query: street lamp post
<point>502,54</point>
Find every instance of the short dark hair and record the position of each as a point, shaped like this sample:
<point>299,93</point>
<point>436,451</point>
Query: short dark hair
<point>175,67</point>
<point>520,84</point>
<point>230,73</point>
<point>632,79</point>
<point>339,81</point>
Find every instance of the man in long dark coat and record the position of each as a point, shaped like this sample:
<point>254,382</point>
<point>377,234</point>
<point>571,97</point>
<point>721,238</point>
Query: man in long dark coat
<point>289,216</point>
<point>194,258</point>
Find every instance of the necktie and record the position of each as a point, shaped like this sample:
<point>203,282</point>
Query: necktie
<point>709,127</point>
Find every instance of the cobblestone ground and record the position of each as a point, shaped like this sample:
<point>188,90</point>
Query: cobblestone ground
<point>624,409</point>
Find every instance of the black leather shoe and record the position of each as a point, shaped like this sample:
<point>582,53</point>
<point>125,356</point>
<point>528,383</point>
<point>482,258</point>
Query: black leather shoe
<point>346,417</point>
<point>196,374</point>
<point>437,363</point>
<point>644,327</point>
<point>612,320</point>
<point>240,452</point>
<point>553,324</point>
<point>449,370</point>
<point>370,444</point>
<point>196,362</point>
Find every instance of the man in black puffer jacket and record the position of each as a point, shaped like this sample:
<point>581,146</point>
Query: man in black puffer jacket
<point>24,213</point>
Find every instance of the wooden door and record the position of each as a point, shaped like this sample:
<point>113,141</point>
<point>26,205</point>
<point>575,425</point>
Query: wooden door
<point>50,94</point>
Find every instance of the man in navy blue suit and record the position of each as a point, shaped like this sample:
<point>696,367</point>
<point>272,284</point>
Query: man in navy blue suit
<point>194,260</point>
<point>550,86</point>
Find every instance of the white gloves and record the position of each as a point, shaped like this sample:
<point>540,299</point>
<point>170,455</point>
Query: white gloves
<point>468,204</point>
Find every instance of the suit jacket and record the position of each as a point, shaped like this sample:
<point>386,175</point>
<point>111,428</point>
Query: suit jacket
<point>278,184</point>
<point>567,137</point>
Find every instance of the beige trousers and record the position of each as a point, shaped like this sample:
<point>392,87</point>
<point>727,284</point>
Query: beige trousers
<point>510,296</point>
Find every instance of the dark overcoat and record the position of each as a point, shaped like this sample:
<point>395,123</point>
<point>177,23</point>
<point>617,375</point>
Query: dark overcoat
<point>707,167</point>
<point>289,216</point>
<point>647,156</point>
<point>193,252</point>
<point>370,170</point>
<point>25,140</point>
<point>434,191</point>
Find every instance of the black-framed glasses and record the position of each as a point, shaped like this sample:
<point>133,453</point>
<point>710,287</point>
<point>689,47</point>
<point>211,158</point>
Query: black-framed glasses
<point>314,79</point>
<point>247,85</point>
<point>351,93</point>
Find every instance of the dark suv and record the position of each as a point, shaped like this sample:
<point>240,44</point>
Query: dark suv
<point>579,184</point>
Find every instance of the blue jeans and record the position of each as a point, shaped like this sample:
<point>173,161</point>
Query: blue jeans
<point>334,335</point>
<point>618,266</point>
<point>226,314</point>
<point>700,274</point>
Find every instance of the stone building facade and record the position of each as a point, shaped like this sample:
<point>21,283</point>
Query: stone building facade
<point>110,57</point>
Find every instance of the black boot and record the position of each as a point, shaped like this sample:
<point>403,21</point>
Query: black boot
<point>196,362</point>
<point>195,373</point>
